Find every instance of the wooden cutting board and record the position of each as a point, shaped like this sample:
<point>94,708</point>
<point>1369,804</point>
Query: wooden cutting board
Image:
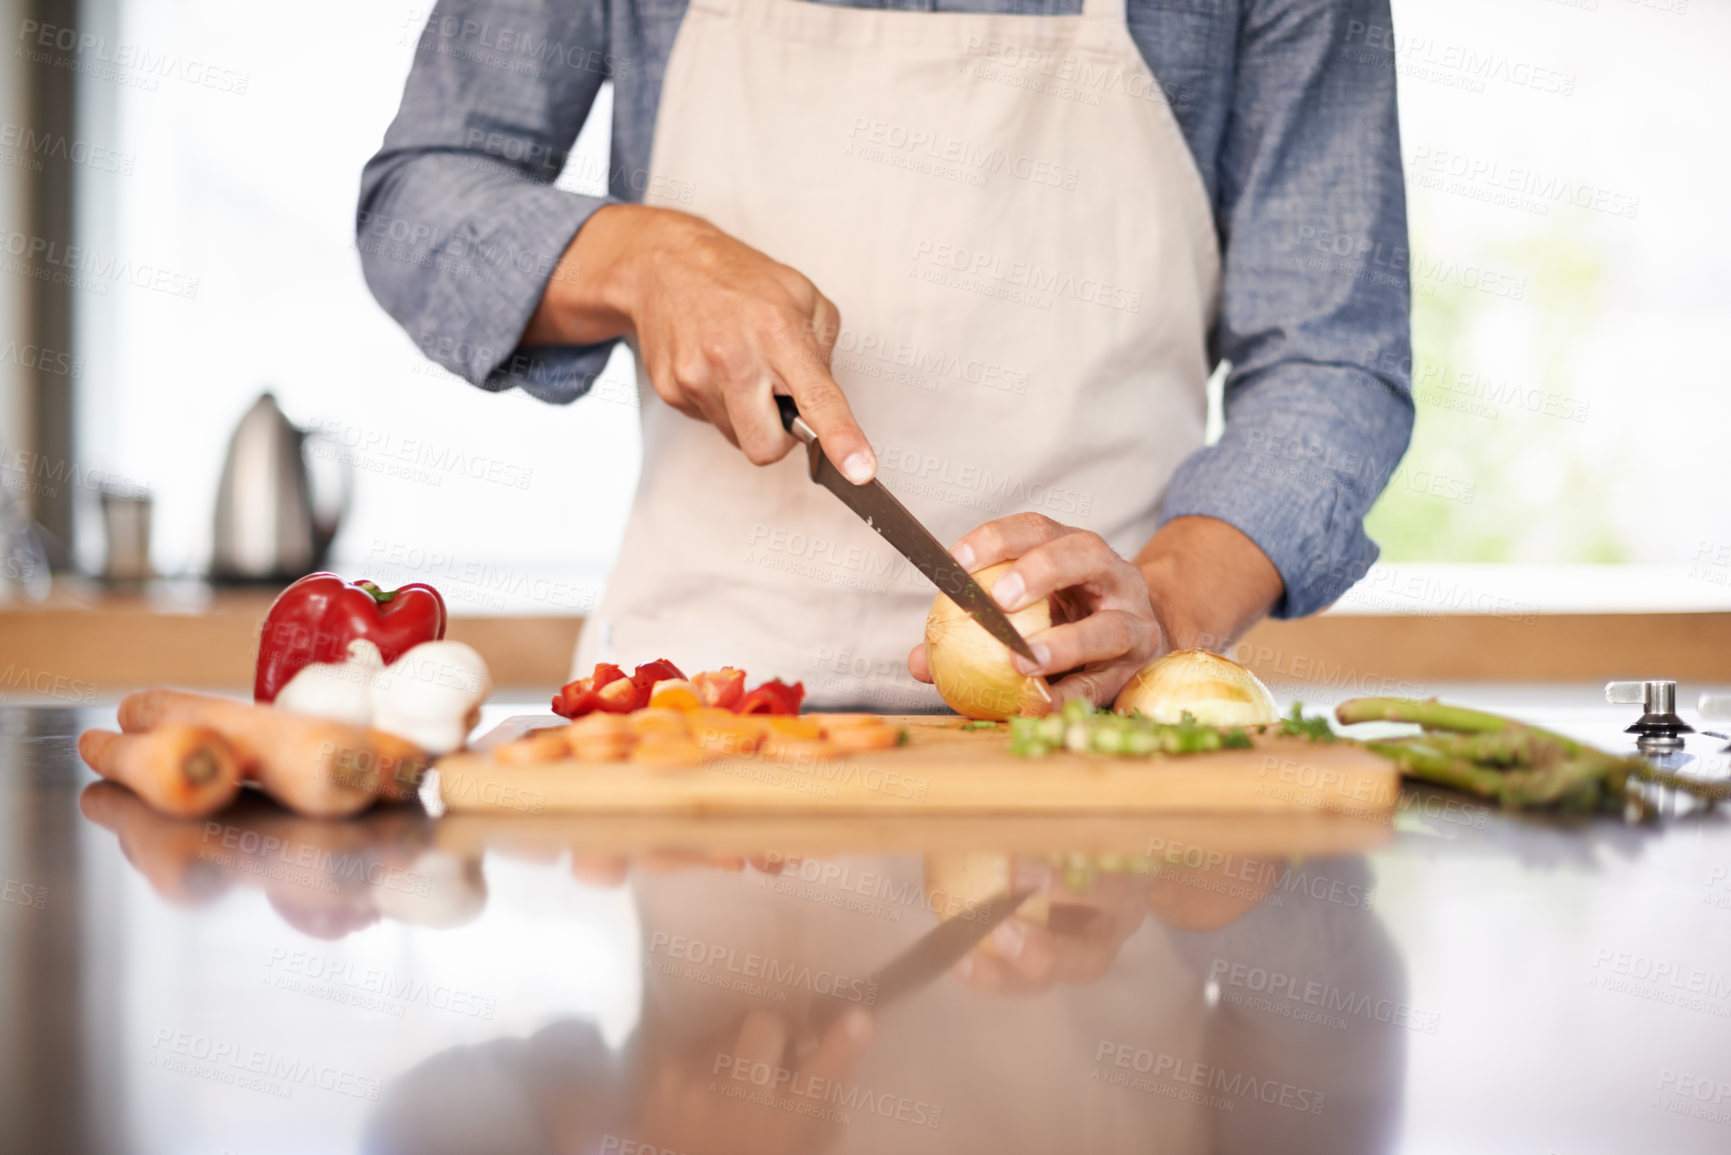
<point>942,769</point>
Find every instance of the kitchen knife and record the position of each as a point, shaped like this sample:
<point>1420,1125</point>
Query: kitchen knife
<point>878,507</point>
<point>935,952</point>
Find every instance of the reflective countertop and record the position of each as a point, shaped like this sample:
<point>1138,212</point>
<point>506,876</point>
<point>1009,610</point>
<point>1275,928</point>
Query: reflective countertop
<point>1451,979</point>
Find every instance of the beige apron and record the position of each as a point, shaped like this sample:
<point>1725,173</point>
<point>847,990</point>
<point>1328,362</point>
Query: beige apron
<point>1018,240</point>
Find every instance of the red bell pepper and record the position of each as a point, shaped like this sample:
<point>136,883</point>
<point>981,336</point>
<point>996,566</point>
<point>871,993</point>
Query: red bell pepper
<point>773,697</point>
<point>575,699</point>
<point>618,696</point>
<point>610,689</point>
<point>315,619</point>
<point>579,697</point>
<point>645,676</point>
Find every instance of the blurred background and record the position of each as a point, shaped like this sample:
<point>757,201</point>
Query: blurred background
<point>1564,178</point>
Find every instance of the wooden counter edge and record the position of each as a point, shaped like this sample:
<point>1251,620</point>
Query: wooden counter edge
<point>110,647</point>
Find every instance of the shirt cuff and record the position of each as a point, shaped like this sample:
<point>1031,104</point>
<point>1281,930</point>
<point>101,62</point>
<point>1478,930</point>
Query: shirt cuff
<point>497,266</point>
<point>1297,477</point>
<point>556,373</point>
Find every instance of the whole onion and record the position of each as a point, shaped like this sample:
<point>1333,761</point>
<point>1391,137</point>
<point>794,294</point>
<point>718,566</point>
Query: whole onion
<point>975,672</point>
<point>1215,690</point>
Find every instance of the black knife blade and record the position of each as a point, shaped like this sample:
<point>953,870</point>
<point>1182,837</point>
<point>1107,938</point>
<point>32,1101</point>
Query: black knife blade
<point>878,508</point>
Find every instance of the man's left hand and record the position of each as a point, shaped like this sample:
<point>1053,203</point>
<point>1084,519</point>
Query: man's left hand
<point>1104,627</point>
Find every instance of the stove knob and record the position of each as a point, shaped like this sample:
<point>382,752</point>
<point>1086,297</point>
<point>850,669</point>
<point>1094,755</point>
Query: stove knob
<point>1659,730</point>
<point>1641,694</point>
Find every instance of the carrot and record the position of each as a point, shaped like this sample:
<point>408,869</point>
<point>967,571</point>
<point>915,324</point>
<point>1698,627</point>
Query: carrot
<point>400,765</point>
<point>602,748</point>
<point>727,733</point>
<point>318,767</point>
<point>834,722</point>
<point>668,750</point>
<point>783,727</point>
<point>600,726</point>
<point>657,720</point>
<point>601,738</point>
<point>799,751</point>
<point>541,746</point>
<point>866,737</point>
<point>189,771</point>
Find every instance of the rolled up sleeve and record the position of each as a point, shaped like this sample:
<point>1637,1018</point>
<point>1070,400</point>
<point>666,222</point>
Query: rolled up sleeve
<point>459,226</point>
<point>1315,297</point>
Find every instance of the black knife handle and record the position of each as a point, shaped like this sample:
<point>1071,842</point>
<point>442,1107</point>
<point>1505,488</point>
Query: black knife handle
<point>791,420</point>
<point>789,411</point>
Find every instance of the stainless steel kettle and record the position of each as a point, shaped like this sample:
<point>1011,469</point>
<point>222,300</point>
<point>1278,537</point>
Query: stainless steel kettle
<point>268,527</point>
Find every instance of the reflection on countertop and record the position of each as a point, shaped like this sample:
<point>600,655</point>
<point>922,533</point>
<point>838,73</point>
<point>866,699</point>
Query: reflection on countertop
<point>258,982</point>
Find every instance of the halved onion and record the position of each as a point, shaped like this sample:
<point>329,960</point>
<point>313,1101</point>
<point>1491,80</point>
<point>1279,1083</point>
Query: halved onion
<point>1215,690</point>
<point>975,672</point>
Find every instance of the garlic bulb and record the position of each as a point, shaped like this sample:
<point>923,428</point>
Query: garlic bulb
<point>1215,690</point>
<point>432,695</point>
<point>974,672</point>
<point>341,691</point>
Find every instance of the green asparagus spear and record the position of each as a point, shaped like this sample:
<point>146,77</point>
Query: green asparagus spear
<point>1512,764</point>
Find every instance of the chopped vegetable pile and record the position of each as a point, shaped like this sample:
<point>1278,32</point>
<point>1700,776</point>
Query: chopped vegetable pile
<point>661,736</point>
<point>610,690</point>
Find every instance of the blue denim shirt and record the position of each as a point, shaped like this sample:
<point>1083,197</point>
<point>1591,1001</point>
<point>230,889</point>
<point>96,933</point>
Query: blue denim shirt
<point>1287,105</point>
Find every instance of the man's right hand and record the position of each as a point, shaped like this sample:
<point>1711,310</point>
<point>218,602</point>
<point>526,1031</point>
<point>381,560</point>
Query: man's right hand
<point>720,328</point>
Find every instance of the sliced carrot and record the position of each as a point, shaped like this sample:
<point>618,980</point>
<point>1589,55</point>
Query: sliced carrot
<point>866,737</point>
<point>657,720</point>
<point>675,694</point>
<point>541,746</point>
<point>668,750</point>
<point>724,742</point>
<point>603,747</point>
<point>184,770</point>
<point>794,727</point>
<point>799,751</point>
<point>833,722</point>
<point>592,726</point>
<point>758,724</point>
<point>729,733</point>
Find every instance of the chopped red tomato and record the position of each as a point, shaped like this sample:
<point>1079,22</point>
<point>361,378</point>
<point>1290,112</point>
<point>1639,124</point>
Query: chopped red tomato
<point>723,688</point>
<point>649,673</point>
<point>773,697</point>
